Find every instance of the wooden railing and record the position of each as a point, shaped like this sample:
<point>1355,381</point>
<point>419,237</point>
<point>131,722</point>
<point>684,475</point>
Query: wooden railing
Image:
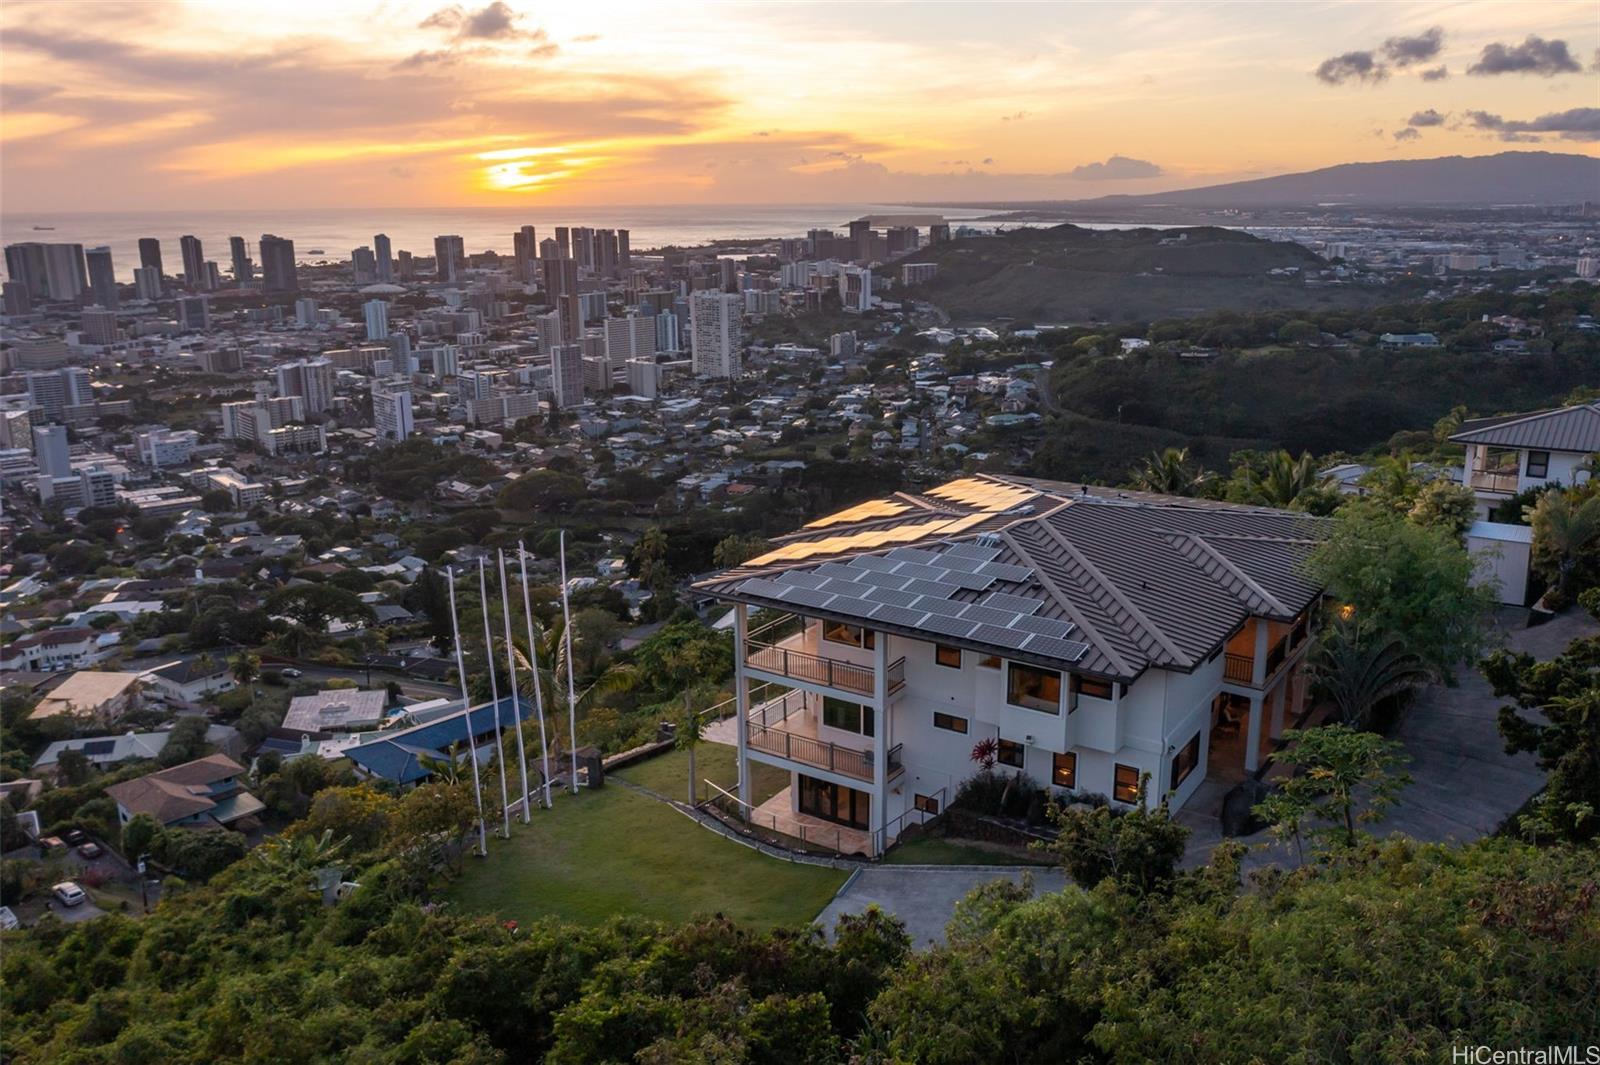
<point>820,754</point>
<point>1494,480</point>
<point>1238,668</point>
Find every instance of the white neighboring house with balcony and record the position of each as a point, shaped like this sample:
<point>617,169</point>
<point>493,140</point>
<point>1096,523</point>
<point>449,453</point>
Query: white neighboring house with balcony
<point>1096,635</point>
<point>1511,453</point>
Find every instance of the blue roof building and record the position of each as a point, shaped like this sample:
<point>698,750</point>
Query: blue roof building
<point>398,755</point>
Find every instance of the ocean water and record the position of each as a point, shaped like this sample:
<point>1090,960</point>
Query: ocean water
<point>330,233</point>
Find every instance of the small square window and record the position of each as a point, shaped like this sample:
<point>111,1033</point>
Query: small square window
<point>1538,464</point>
<point>1125,783</point>
<point>946,655</point>
<point>949,722</point>
<point>989,661</point>
<point>1095,689</point>
<point>1010,753</point>
<point>926,803</point>
<point>1064,770</point>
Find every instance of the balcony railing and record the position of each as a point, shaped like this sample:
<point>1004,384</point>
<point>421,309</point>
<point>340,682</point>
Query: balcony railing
<point>819,754</point>
<point>1494,480</point>
<point>828,672</point>
<point>1240,669</point>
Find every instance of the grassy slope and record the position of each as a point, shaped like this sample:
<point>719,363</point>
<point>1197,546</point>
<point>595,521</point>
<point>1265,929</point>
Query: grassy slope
<point>617,852</point>
<point>669,773</point>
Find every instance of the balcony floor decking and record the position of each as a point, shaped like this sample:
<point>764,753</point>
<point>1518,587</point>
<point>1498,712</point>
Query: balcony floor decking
<point>777,815</point>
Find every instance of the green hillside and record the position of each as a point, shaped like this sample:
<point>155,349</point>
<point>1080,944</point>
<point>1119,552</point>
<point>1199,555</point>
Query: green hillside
<point>1069,274</point>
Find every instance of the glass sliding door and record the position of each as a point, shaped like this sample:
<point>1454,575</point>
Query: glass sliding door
<point>834,802</point>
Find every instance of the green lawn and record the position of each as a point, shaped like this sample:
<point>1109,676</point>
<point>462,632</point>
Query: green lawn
<point>930,850</point>
<point>615,851</point>
<point>669,773</point>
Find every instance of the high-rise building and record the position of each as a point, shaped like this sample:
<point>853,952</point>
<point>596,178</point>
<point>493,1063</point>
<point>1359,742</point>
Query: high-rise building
<point>391,409</point>
<point>564,242</point>
<point>51,450</point>
<point>583,247</point>
<point>305,312</point>
<point>194,313</point>
<point>244,271</point>
<point>405,266</point>
<point>382,252</point>
<point>150,255</point>
<point>624,255</point>
<point>310,379</point>
<point>605,252</point>
<point>147,283</point>
<point>855,289</point>
<point>16,429</point>
<point>644,377</point>
<point>861,239</point>
<point>64,272</point>
<point>566,375</point>
<point>14,298</point>
<point>277,264</point>
<point>668,337</point>
<point>377,312</point>
<point>25,266</point>
<point>525,248</point>
<point>102,277</point>
<point>51,392</point>
<point>628,338</point>
<point>449,258</point>
<point>194,261</point>
<point>166,447</point>
<point>561,286</point>
<point>213,278</point>
<point>939,233</point>
<point>99,326</point>
<point>714,333</point>
<point>363,265</point>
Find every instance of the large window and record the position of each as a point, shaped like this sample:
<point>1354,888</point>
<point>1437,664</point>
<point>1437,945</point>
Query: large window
<point>1010,753</point>
<point>847,716</point>
<point>949,722</point>
<point>834,802</point>
<point>1064,770</point>
<point>1184,761</point>
<point>854,635</point>
<point>1125,783</point>
<point>1538,464</point>
<point>947,656</point>
<point>1033,688</point>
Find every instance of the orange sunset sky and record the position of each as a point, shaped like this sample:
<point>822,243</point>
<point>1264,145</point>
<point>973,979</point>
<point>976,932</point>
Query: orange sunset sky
<point>337,103</point>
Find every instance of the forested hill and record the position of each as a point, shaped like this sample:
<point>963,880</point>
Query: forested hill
<point>1070,274</point>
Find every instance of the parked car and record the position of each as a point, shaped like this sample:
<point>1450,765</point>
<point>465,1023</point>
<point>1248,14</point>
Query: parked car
<point>69,894</point>
<point>90,849</point>
<point>74,836</point>
<point>8,920</point>
<point>291,673</point>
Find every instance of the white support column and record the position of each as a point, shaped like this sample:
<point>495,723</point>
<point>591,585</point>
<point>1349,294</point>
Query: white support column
<point>878,818</point>
<point>741,702</point>
<point>1252,742</point>
<point>1279,697</point>
<point>1301,682</point>
<point>1258,665</point>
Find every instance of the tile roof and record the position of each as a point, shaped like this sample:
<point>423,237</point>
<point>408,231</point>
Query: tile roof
<point>181,791</point>
<point>1574,428</point>
<point>397,756</point>
<point>1140,579</point>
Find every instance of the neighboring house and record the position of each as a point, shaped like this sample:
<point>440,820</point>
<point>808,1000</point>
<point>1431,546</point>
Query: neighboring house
<point>341,710</point>
<point>1096,635</point>
<point>398,756</point>
<point>91,695</point>
<point>106,752</point>
<point>206,791</point>
<point>1511,453</point>
<point>188,682</point>
<point>57,649</point>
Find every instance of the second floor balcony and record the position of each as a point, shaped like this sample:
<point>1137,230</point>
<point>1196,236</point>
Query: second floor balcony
<point>787,728</point>
<point>1497,480</point>
<point>794,648</point>
<point>1239,665</point>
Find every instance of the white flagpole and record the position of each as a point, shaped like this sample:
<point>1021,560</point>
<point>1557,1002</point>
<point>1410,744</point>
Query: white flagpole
<point>533,662</point>
<point>466,702</point>
<point>572,687</point>
<point>494,694</point>
<point>511,670</point>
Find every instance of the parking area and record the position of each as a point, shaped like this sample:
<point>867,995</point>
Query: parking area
<point>925,896</point>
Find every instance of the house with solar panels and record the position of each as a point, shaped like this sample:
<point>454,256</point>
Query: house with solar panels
<point>1097,635</point>
<point>1512,453</point>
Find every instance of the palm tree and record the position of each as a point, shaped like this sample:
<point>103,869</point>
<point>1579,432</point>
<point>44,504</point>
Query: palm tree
<point>1282,479</point>
<point>1359,669</point>
<point>300,854</point>
<point>687,735</point>
<point>1562,532</point>
<point>246,667</point>
<point>1169,472</point>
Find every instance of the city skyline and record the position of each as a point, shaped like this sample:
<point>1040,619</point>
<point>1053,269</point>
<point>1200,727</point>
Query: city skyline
<point>419,104</point>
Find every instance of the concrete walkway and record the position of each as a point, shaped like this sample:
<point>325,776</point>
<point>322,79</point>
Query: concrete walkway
<point>925,896</point>
<point>1464,784</point>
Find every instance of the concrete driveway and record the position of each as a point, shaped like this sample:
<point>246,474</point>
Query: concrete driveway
<point>925,896</point>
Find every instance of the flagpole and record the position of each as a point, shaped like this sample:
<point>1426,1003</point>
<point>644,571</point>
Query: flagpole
<point>466,703</point>
<point>572,687</point>
<point>511,670</point>
<point>494,694</point>
<point>533,662</point>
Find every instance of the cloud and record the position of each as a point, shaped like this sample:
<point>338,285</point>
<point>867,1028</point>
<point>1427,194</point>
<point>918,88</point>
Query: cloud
<point>1436,74</point>
<point>1352,66</point>
<point>1406,51</point>
<point>1407,135</point>
<point>496,22</point>
<point>1578,124</point>
<point>1533,56</point>
<point>1117,168</point>
<point>1017,117</point>
<point>1430,117</point>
